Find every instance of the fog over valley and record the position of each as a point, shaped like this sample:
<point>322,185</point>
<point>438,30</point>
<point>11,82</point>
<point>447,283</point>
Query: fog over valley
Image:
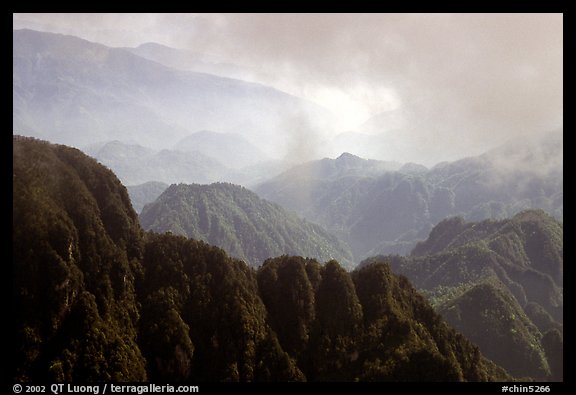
<point>287,197</point>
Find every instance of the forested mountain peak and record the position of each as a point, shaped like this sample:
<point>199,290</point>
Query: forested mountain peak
<point>237,220</point>
<point>379,209</point>
<point>500,283</point>
<point>75,259</point>
<point>525,230</point>
<point>99,300</point>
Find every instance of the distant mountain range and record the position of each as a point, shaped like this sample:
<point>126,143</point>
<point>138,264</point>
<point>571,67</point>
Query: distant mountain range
<point>72,91</point>
<point>238,221</point>
<point>135,164</point>
<point>381,207</point>
<point>500,283</point>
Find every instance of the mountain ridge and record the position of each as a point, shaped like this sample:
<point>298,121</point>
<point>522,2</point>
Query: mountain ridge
<point>62,84</point>
<point>237,220</point>
<point>499,282</point>
<point>389,210</point>
<point>111,303</point>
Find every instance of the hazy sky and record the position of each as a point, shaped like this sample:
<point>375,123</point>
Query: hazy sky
<point>463,81</point>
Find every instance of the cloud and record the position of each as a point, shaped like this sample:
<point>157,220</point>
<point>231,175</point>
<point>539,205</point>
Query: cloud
<point>463,82</point>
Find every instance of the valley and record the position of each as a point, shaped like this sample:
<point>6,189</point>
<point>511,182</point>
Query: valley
<point>287,198</point>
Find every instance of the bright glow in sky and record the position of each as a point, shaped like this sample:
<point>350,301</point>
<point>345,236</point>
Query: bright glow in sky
<point>466,82</point>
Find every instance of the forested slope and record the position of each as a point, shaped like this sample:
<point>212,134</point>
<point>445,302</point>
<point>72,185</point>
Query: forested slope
<point>97,299</point>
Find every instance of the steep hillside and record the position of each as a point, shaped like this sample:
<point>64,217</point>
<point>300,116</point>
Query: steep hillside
<point>490,317</point>
<point>203,319</point>
<point>241,223</point>
<point>96,299</point>
<point>370,325</point>
<point>383,209</point>
<point>499,282</point>
<point>77,248</point>
<point>366,203</point>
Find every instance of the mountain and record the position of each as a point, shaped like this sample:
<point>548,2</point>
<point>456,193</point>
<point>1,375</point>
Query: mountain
<point>141,195</point>
<point>364,202</point>
<point>254,175</point>
<point>76,92</point>
<point>525,253</point>
<point>402,134</point>
<point>76,251</point>
<point>375,145</point>
<point>516,176</point>
<point>498,282</point>
<point>490,312</point>
<point>360,144</point>
<point>237,220</point>
<point>368,325</point>
<point>306,186</point>
<point>63,84</point>
<point>135,164</point>
<point>97,299</point>
<point>188,60</point>
<point>232,150</point>
<point>388,209</point>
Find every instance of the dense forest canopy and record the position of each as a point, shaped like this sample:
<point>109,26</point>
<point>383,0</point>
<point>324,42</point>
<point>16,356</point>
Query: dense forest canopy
<point>237,220</point>
<point>498,282</point>
<point>99,299</point>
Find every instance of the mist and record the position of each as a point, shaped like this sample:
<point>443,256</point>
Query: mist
<point>430,87</point>
<point>273,197</point>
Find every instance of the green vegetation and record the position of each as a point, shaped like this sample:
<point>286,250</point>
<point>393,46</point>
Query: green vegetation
<point>370,325</point>
<point>205,319</point>
<point>97,299</point>
<point>380,209</point>
<point>489,316</point>
<point>498,282</point>
<point>237,220</point>
<point>76,253</point>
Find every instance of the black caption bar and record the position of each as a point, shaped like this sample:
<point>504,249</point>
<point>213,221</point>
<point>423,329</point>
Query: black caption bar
<point>267,388</point>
